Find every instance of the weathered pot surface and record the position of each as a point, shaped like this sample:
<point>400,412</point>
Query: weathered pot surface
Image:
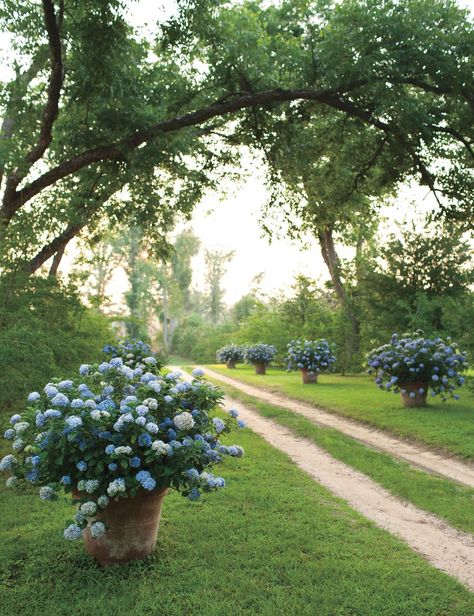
<point>132,528</point>
<point>230,364</point>
<point>419,399</point>
<point>308,376</point>
<point>260,368</point>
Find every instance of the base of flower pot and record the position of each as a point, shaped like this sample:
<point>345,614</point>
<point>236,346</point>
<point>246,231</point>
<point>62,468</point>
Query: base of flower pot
<point>308,376</point>
<point>132,528</point>
<point>260,368</point>
<point>419,399</point>
<point>230,364</point>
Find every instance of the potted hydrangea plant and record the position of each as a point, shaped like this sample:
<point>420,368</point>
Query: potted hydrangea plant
<point>412,364</point>
<point>117,439</point>
<point>132,351</point>
<point>260,355</point>
<point>311,357</point>
<point>230,355</point>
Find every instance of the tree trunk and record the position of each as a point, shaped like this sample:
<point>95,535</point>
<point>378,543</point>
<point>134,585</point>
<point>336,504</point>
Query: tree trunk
<point>331,258</point>
<point>53,271</point>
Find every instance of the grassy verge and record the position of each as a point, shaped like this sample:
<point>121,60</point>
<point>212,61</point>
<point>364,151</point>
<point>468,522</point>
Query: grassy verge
<point>442,497</point>
<point>272,543</point>
<point>447,426</point>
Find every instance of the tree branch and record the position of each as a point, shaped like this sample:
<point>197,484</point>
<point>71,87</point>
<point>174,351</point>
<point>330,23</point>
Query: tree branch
<point>117,151</point>
<point>50,111</point>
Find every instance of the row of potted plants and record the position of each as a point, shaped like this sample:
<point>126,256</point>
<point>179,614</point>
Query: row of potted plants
<point>309,356</point>
<point>410,364</point>
<point>117,438</point>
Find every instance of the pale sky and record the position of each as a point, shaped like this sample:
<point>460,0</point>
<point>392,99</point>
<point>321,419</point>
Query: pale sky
<point>231,223</point>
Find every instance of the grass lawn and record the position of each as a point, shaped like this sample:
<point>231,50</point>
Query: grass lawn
<point>448,426</point>
<point>442,497</point>
<point>272,543</point>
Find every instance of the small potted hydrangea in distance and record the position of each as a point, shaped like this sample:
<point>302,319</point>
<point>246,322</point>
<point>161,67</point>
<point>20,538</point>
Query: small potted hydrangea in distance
<point>260,355</point>
<point>132,352</point>
<point>412,364</point>
<point>117,439</point>
<point>230,355</point>
<point>311,357</point>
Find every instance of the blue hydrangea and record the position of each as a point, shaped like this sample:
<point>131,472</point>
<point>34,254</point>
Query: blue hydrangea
<point>73,532</point>
<point>84,369</point>
<point>46,493</point>
<point>81,465</point>
<point>60,400</point>
<point>9,434</point>
<point>34,396</point>
<point>144,440</point>
<point>135,462</point>
<point>65,480</point>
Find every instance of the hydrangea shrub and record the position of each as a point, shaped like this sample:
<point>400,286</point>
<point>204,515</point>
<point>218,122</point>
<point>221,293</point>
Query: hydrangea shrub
<point>411,358</point>
<point>117,431</point>
<point>312,355</point>
<point>230,353</point>
<point>259,354</point>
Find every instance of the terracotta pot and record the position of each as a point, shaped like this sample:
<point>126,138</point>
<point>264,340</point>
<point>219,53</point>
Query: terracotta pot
<point>132,527</point>
<point>230,364</point>
<point>260,368</point>
<point>308,376</point>
<point>418,399</point>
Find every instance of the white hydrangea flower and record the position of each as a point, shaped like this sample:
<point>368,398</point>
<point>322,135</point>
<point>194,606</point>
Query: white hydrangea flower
<point>11,481</point>
<point>91,485</point>
<point>151,403</point>
<point>18,444</point>
<point>88,509</point>
<point>21,427</point>
<point>81,485</point>
<point>161,448</point>
<point>184,421</point>
<point>123,450</point>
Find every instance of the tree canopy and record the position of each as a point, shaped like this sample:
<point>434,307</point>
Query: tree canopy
<point>100,122</point>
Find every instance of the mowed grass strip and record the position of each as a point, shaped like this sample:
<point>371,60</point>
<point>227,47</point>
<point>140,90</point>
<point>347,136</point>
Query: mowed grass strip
<point>273,542</point>
<point>440,496</point>
<point>446,426</point>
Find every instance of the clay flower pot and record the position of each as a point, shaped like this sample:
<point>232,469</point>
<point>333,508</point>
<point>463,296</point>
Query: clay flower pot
<point>230,364</point>
<point>260,368</point>
<point>132,527</point>
<point>309,376</point>
<point>418,399</point>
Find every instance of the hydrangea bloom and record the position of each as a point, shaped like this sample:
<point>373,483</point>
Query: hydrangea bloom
<point>34,396</point>
<point>97,529</point>
<point>73,532</point>
<point>184,421</point>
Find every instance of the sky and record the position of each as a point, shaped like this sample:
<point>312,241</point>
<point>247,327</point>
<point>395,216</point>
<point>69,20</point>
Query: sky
<point>230,223</point>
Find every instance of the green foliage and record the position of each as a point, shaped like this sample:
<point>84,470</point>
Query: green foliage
<point>45,331</point>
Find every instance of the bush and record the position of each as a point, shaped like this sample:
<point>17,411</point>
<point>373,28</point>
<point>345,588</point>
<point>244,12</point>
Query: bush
<point>230,353</point>
<point>313,355</point>
<point>414,359</point>
<point>44,330</point>
<point>259,353</point>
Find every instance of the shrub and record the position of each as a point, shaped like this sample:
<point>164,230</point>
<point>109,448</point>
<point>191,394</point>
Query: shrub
<point>230,353</point>
<point>116,431</point>
<point>44,330</point>
<point>259,353</point>
<point>431,362</point>
<point>313,355</point>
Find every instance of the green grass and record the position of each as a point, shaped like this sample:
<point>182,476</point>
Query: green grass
<point>442,497</point>
<point>272,543</point>
<point>447,426</point>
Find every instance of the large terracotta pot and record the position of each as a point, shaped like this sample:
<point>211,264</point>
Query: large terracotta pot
<point>132,527</point>
<point>260,368</point>
<point>230,364</point>
<point>418,399</point>
<point>308,376</point>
